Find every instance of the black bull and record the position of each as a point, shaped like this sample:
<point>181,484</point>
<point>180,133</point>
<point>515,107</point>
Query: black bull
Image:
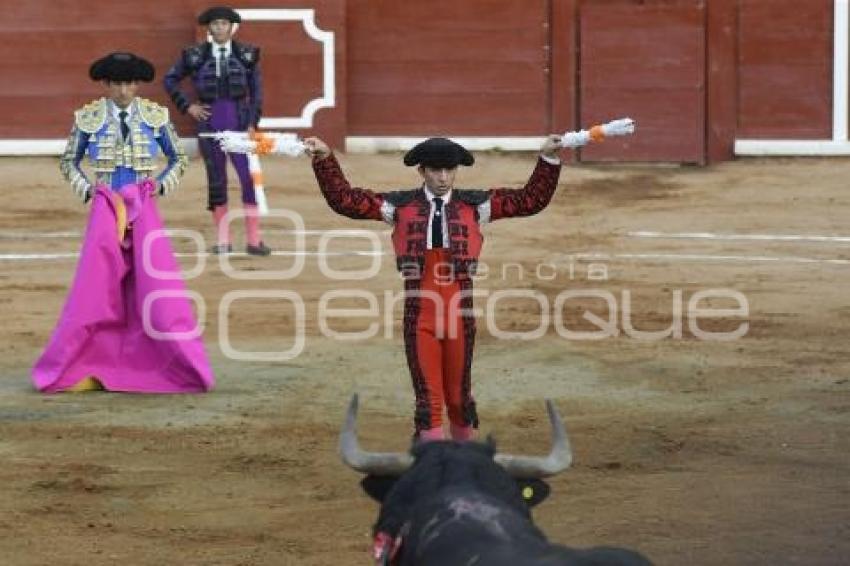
<point>451,503</point>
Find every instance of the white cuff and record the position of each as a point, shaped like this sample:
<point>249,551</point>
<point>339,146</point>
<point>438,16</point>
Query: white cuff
<point>484,212</point>
<point>388,213</point>
<point>575,139</point>
<point>288,144</point>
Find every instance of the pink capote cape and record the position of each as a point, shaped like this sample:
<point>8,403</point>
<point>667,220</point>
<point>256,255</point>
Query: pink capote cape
<point>101,330</point>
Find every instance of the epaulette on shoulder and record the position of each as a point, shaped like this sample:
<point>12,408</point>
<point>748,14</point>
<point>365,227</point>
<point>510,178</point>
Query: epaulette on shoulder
<point>248,54</point>
<point>153,114</point>
<point>193,55</point>
<point>90,118</point>
<point>401,198</point>
<point>472,196</point>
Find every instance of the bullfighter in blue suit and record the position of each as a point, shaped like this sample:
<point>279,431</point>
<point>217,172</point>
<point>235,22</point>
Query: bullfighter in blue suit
<point>143,125</point>
<point>127,324</point>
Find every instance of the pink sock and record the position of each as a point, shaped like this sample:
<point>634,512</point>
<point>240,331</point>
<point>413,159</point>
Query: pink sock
<point>222,228</point>
<point>252,225</point>
<point>461,433</point>
<point>431,434</point>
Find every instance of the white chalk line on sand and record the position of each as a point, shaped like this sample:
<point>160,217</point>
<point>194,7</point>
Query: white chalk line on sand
<point>656,257</point>
<point>6,235</point>
<point>30,257</point>
<point>74,255</point>
<point>585,256</point>
<point>9,235</point>
<point>38,235</point>
<point>741,237</point>
<point>77,234</point>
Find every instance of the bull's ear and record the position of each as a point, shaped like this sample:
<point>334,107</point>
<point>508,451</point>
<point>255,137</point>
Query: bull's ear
<point>533,491</point>
<point>377,487</point>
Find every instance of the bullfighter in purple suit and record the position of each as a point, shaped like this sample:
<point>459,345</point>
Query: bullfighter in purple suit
<point>228,88</point>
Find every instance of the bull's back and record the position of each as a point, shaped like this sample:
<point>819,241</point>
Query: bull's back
<point>458,528</point>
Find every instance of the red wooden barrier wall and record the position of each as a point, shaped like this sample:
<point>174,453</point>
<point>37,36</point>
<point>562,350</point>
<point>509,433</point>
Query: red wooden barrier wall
<point>49,45</point>
<point>476,67</point>
<point>695,73</point>
<point>785,62</point>
<point>646,61</point>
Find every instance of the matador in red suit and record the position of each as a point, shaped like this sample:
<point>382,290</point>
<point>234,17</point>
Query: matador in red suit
<point>437,240</point>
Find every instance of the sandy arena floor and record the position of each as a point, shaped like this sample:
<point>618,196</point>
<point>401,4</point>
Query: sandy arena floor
<point>695,451</point>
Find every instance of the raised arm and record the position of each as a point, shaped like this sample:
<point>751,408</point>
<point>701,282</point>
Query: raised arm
<point>360,204</point>
<point>537,192</point>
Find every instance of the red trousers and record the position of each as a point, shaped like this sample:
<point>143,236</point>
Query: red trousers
<point>439,335</point>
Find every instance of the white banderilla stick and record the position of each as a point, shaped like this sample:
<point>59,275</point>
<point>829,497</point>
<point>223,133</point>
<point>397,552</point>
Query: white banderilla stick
<point>257,176</point>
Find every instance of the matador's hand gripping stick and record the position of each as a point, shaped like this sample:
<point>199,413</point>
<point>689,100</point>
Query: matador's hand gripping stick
<point>598,133</point>
<point>255,144</point>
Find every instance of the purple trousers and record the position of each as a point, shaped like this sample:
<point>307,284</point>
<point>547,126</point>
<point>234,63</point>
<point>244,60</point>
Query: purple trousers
<point>223,116</point>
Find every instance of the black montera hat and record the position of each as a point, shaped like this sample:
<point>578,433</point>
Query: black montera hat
<point>121,67</point>
<point>219,13</point>
<point>438,153</point>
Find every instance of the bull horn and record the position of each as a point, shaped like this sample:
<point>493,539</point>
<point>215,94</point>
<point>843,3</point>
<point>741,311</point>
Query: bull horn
<point>535,467</point>
<point>371,463</point>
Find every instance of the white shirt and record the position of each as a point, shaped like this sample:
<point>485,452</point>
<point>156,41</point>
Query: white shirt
<point>216,49</point>
<point>116,110</point>
<point>445,228</point>
<point>116,113</point>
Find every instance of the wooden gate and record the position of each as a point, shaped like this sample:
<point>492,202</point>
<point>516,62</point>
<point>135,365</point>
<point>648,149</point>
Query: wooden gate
<point>646,61</point>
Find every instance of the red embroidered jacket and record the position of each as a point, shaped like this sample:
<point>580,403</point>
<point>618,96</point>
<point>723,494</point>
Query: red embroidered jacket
<point>408,211</point>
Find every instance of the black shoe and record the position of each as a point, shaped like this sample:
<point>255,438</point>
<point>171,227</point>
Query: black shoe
<point>219,249</point>
<point>260,249</point>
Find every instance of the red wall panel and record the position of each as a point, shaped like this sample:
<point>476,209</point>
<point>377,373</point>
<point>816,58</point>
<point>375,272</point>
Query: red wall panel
<point>47,50</point>
<point>722,78</point>
<point>50,44</point>
<point>646,61</point>
<point>563,68</point>
<point>785,69</point>
<point>476,67</point>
